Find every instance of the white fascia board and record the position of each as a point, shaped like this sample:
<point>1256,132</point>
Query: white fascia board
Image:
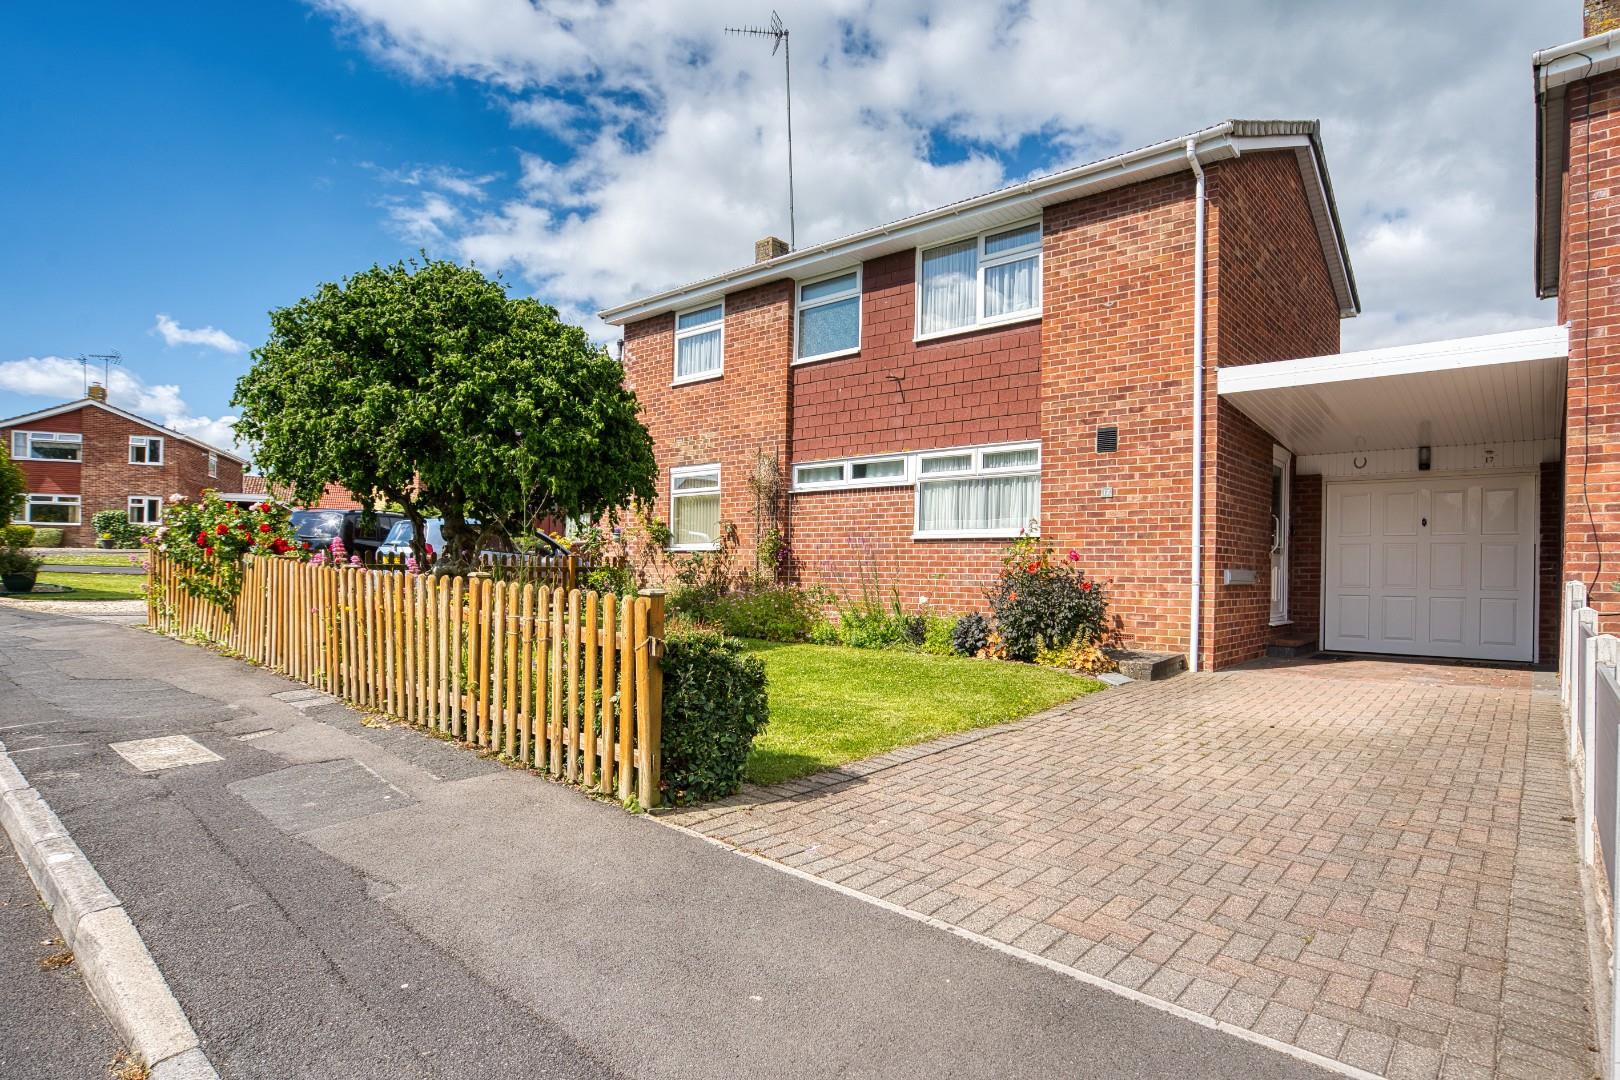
<point>1564,64</point>
<point>1517,346</point>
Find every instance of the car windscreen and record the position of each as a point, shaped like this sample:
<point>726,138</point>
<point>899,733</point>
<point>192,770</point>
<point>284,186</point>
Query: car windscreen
<point>317,522</point>
<point>401,533</point>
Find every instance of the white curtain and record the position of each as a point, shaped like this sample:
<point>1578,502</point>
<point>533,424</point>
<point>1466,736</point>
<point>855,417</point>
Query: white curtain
<point>950,286</point>
<point>698,354</point>
<point>1010,287</point>
<point>977,504</point>
<point>697,520</point>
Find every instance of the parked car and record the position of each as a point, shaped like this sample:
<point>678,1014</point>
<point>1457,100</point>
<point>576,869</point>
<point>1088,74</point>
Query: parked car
<point>398,541</point>
<point>318,528</point>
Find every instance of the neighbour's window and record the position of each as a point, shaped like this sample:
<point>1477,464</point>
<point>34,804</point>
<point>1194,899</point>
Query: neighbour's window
<point>829,316</point>
<point>991,278</point>
<point>700,343</point>
<point>146,450</point>
<point>694,508</point>
<point>52,510</point>
<point>213,464</point>
<point>990,491</point>
<point>47,446</point>
<point>145,509</point>
<point>857,472</point>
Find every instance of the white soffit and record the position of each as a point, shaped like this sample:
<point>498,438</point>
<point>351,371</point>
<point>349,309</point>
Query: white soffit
<point>1495,388</point>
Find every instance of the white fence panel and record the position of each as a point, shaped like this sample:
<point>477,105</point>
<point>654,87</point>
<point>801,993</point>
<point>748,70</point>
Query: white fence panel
<point>1591,688</point>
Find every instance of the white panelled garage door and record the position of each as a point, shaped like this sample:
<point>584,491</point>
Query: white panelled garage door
<point>1431,567</point>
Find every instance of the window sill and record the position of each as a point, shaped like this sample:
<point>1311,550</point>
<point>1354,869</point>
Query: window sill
<point>149,464</point>
<point>707,376</point>
<point>827,356</point>
<point>996,534</point>
<point>683,548</point>
<point>994,324</point>
<point>1282,622</point>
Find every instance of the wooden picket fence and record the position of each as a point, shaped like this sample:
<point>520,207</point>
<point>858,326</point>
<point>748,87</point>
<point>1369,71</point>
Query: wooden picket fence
<point>558,679</point>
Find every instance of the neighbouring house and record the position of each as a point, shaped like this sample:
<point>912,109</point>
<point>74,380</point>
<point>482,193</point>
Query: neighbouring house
<point>334,497</point>
<point>1142,354</point>
<point>86,456</point>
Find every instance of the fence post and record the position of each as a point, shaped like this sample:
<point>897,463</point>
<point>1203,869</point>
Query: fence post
<point>655,652</point>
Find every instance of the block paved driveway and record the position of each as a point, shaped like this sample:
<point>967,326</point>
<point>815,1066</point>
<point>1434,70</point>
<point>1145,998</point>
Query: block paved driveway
<point>1374,861</point>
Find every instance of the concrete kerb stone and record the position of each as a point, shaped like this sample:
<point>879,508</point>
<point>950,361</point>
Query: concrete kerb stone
<point>121,974</point>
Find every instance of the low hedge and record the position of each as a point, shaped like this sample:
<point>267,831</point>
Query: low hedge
<point>714,706</point>
<point>47,537</point>
<point>16,536</point>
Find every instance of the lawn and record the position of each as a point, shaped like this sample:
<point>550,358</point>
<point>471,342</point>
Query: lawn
<point>831,704</point>
<point>89,558</point>
<point>87,587</point>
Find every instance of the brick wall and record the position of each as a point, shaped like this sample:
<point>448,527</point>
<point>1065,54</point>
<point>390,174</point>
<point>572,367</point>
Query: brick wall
<point>725,421</point>
<point>1305,558</point>
<point>105,479</point>
<point>1589,296</point>
<point>1550,602</point>
<point>1270,299</point>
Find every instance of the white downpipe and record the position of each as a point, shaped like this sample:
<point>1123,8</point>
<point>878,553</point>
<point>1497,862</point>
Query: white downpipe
<point>1198,412</point>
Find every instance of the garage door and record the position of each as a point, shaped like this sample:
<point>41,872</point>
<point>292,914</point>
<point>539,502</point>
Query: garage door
<point>1431,567</point>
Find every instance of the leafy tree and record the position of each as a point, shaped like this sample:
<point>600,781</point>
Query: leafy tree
<point>12,487</point>
<point>426,384</point>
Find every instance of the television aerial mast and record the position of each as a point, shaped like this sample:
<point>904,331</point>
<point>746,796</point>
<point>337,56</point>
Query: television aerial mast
<point>108,361</point>
<point>779,38</point>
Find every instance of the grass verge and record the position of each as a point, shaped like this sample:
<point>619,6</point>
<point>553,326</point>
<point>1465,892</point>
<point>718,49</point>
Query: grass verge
<point>831,704</point>
<point>88,558</point>
<point>86,587</point>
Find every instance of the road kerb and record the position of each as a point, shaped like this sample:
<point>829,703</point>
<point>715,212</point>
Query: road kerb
<point>121,974</point>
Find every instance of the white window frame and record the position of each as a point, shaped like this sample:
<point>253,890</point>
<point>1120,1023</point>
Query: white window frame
<point>147,442</point>
<point>149,501</point>
<point>800,306</point>
<point>983,261</point>
<point>705,328</point>
<point>846,479</point>
<point>63,438</point>
<point>213,465</point>
<point>975,470</point>
<point>53,500</point>
<point>692,470</point>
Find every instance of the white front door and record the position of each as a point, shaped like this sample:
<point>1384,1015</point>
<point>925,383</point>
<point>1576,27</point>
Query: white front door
<point>1431,567</point>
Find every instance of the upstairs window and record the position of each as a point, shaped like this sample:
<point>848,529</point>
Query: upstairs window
<point>829,320</point>
<point>146,449</point>
<point>213,464</point>
<point>47,446</point>
<point>694,508</point>
<point>988,279</point>
<point>700,343</point>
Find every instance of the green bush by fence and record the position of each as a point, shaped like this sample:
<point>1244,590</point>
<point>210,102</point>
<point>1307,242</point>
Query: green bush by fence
<point>714,706</point>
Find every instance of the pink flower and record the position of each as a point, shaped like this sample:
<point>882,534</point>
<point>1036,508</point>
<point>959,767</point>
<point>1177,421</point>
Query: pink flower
<point>354,560</point>
<point>410,564</point>
<point>1074,556</point>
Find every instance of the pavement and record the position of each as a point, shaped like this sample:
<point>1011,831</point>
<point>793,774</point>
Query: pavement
<point>89,568</point>
<point>1373,861</point>
<point>327,897</point>
<point>53,1029</point>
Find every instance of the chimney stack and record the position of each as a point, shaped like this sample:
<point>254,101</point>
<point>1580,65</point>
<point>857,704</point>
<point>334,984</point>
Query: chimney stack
<point>773,246</point>
<point>97,392</point>
<point>1599,17</point>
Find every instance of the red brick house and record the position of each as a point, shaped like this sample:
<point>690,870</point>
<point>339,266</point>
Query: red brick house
<point>85,456</point>
<point>1142,354</point>
<point>333,497</point>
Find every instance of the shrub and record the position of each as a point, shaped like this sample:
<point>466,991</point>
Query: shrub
<point>937,635</point>
<point>770,614</point>
<point>1044,602</point>
<point>16,536</point>
<point>47,538</point>
<point>207,540</point>
<point>867,628</point>
<point>825,632</point>
<point>13,487</point>
<point>970,634</point>
<point>714,706</point>
<point>1086,656</point>
<point>612,579</point>
<point>116,526</point>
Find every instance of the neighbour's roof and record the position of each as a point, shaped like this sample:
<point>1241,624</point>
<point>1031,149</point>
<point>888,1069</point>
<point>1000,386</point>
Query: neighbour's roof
<point>73,406</point>
<point>1221,142</point>
<point>1554,70</point>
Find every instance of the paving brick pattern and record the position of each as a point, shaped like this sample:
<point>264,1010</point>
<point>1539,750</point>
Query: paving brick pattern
<point>1370,861</point>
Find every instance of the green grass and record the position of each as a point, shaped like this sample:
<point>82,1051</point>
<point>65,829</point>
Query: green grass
<point>831,704</point>
<point>89,558</point>
<point>87,587</point>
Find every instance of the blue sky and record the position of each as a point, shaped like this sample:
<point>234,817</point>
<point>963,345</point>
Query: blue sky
<point>206,162</point>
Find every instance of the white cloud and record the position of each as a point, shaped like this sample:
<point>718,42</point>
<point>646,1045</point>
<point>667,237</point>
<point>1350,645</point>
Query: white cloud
<point>207,336</point>
<point>60,379</point>
<point>674,147</point>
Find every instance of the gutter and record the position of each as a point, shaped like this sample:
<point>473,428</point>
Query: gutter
<point>1197,605</point>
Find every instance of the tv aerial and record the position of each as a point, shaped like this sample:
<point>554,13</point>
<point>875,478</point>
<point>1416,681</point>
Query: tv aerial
<point>779,40</point>
<point>107,360</point>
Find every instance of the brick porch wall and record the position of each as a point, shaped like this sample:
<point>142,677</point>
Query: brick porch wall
<point>1270,299</point>
<point>1551,556</point>
<point>1305,558</point>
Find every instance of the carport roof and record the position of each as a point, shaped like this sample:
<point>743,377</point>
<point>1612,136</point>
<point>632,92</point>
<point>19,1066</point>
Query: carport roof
<point>1464,391</point>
